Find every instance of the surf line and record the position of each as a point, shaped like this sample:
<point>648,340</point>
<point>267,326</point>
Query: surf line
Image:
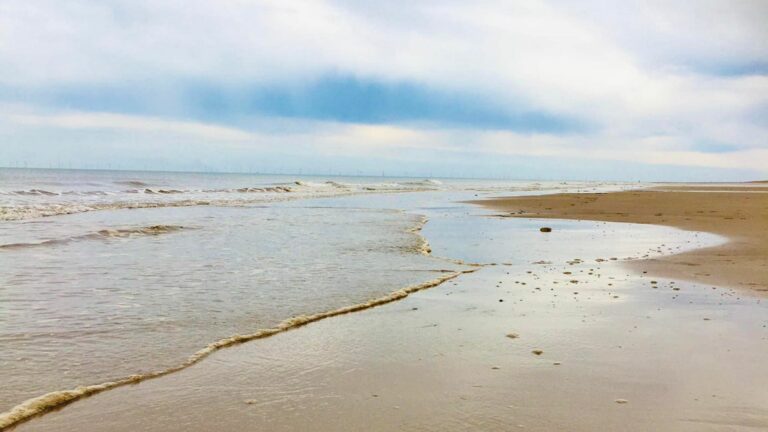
<point>57,399</point>
<point>425,249</point>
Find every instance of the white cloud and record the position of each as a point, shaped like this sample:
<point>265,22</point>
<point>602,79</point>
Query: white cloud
<point>133,124</point>
<point>629,68</point>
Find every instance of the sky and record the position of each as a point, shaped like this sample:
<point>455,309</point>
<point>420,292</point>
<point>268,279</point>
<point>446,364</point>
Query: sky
<point>556,89</point>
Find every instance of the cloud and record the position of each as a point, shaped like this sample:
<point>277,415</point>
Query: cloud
<point>78,133</point>
<point>132,124</point>
<point>711,37</point>
<point>644,80</point>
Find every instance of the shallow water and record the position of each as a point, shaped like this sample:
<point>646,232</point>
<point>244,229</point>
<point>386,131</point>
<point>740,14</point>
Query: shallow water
<point>103,307</point>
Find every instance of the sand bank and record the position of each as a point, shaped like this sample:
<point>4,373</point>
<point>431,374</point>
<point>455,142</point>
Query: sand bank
<point>739,213</point>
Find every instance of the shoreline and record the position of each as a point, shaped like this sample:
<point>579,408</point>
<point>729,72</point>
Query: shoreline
<point>564,344</point>
<point>40,405</point>
<point>738,213</point>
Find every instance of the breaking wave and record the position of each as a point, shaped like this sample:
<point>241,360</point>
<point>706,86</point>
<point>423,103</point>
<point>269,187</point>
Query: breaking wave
<point>102,234</point>
<point>33,192</point>
<point>34,203</point>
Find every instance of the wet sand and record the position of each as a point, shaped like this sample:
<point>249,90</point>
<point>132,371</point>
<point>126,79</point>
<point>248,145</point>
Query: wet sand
<point>550,338</point>
<point>738,212</point>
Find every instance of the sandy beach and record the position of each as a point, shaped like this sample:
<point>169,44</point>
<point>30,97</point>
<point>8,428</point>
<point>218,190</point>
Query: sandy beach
<point>549,333</point>
<point>389,216</point>
<point>738,212</point>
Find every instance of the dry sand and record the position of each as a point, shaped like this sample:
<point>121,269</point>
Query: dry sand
<point>739,213</point>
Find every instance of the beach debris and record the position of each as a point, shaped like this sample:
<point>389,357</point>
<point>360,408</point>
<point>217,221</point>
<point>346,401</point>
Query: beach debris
<point>495,368</point>
<point>537,352</point>
<point>250,401</point>
<point>513,335</point>
<point>545,229</point>
<point>556,363</point>
<point>621,401</point>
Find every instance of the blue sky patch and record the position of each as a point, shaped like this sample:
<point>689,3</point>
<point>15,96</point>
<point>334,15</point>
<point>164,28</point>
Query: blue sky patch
<point>340,99</point>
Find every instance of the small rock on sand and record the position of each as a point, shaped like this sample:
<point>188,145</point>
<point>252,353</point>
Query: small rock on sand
<point>513,335</point>
<point>538,352</point>
<point>545,229</point>
<point>250,401</point>
<point>621,401</point>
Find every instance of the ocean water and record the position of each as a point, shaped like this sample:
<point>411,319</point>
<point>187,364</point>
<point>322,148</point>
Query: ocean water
<point>105,275</point>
